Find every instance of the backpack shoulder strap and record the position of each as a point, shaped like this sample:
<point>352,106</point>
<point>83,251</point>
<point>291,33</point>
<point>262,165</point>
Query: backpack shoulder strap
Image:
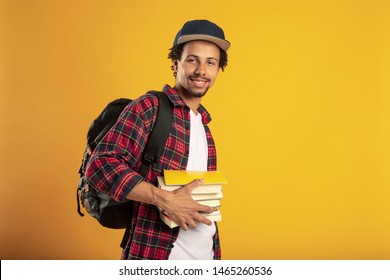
<point>156,142</point>
<point>159,134</point>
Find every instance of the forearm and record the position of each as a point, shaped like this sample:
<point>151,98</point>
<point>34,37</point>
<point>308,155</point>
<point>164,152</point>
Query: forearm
<point>147,193</point>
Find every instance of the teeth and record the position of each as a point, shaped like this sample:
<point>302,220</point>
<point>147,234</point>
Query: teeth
<point>199,83</point>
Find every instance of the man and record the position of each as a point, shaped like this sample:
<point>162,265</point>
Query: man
<point>198,53</point>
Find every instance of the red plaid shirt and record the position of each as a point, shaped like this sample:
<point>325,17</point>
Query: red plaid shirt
<point>115,164</point>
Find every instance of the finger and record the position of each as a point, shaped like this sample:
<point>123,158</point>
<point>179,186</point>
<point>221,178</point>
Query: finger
<point>193,220</point>
<point>184,226</point>
<point>204,220</point>
<point>192,224</point>
<point>205,209</point>
<point>192,185</point>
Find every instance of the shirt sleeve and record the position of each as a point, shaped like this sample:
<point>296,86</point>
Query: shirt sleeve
<point>115,162</point>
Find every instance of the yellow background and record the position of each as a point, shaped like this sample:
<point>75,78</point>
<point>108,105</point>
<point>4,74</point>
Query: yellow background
<point>300,116</point>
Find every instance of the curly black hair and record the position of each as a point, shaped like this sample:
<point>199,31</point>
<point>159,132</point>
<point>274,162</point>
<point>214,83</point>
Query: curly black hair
<point>176,51</point>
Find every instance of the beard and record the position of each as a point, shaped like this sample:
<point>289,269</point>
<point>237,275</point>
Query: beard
<point>197,94</point>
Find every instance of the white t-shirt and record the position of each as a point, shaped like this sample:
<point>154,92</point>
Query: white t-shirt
<point>197,243</point>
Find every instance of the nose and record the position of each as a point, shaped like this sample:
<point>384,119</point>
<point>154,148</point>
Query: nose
<point>201,69</point>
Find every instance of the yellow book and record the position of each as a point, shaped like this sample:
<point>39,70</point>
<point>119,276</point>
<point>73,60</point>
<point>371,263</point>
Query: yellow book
<point>202,189</point>
<point>183,177</point>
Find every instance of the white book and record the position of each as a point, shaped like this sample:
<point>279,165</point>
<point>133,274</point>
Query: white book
<point>214,217</point>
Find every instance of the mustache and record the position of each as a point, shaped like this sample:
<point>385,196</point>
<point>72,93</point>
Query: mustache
<point>196,77</point>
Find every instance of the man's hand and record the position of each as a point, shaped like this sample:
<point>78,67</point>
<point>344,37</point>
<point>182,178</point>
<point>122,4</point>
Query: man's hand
<point>182,209</point>
<point>179,205</point>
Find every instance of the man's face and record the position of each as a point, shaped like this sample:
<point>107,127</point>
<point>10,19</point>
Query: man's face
<point>197,69</point>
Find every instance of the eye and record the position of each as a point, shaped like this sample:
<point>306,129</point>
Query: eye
<point>211,62</point>
<point>191,60</point>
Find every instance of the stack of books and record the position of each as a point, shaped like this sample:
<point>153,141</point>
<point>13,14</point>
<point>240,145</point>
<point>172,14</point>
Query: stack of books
<point>209,193</point>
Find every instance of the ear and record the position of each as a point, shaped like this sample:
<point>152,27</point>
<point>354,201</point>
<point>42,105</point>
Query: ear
<point>174,64</point>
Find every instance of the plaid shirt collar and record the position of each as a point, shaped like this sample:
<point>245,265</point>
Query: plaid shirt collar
<point>177,100</point>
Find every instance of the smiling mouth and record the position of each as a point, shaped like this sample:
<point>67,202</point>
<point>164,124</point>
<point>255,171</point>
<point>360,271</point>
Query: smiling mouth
<point>200,82</point>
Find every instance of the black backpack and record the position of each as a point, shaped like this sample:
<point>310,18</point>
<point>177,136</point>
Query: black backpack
<point>107,211</point>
